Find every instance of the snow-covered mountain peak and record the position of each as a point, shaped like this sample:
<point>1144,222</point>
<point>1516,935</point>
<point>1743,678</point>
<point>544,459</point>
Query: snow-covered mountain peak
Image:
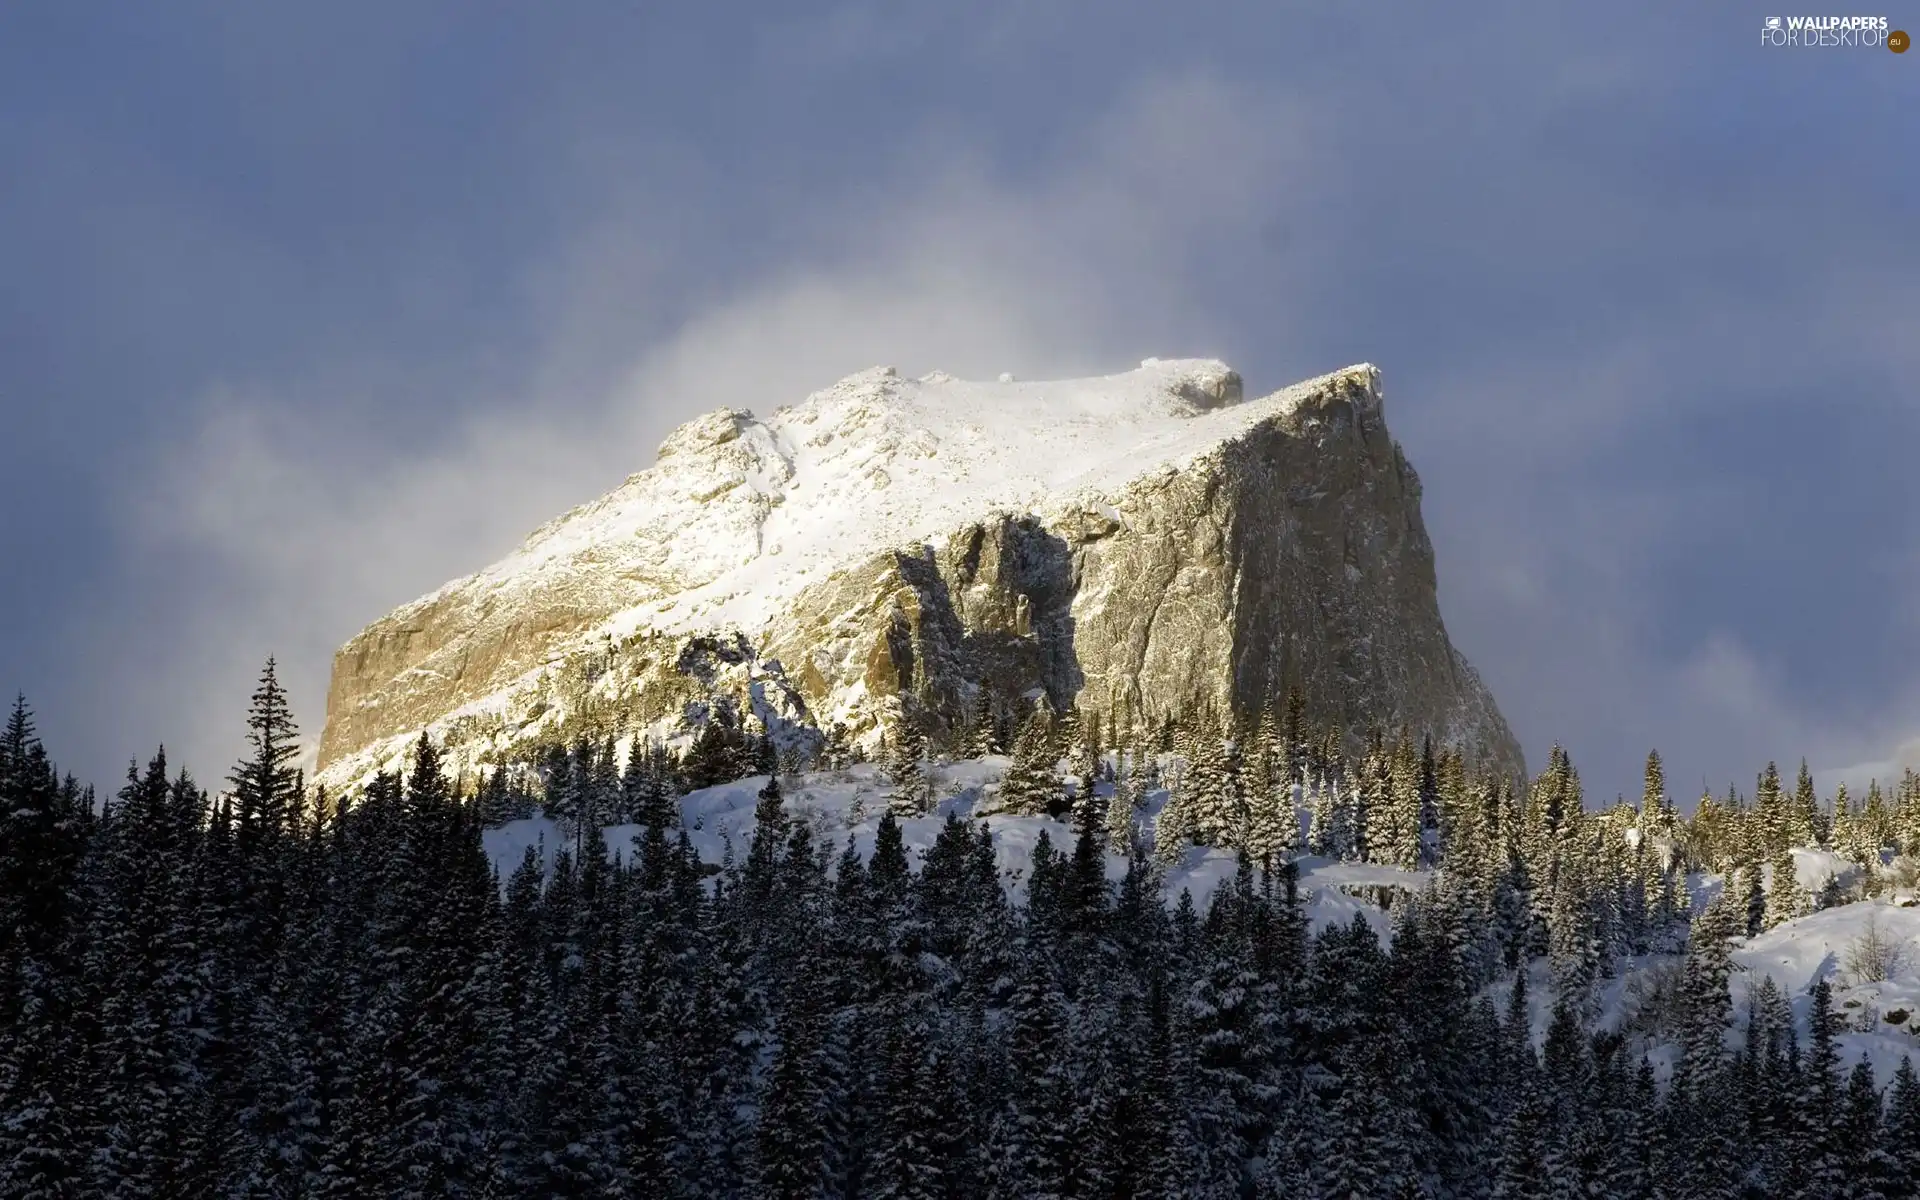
<point>1153,533</point>
<point>869,461</point>
<point>1179,387</point>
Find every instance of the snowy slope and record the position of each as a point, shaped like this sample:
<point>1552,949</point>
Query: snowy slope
<point>1799,953</point>
<point>848,804</point>
<point>843,805</point>
<point>1795,955</point>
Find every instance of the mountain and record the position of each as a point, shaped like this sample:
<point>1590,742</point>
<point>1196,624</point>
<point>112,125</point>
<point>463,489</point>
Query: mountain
<point>1130,544</point>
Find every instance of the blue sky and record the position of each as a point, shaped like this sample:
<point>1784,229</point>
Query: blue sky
<point>306,309</point>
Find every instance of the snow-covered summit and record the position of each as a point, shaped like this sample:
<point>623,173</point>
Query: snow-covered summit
<point>714,527</point>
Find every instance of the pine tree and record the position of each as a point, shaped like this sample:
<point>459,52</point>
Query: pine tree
<point>1808,828</point>
<point>1210,791</point>
<point>1574,948</point>
<point>1089,752</point>
<point>1232,1044</point>
<point>1753,905</point>
<point>143,958</point>
<point>1031,786</point>
<point>42,842</point>
<point>1272,826</point>
<point>1784,897</point>
<point>912,792</point>
<point>1523,1143</point>
<point>1107,1077</point>
<point>1361,787</point>
<point>1774,813</point>
<point>1123,808</point>
<point>1356,1057</point>
<point>1174,828</point>
<point>1826,1157</point>
<point>1324,834</point>
<point>1850,835</point>
<point>1900,1136</point>
<point>983,731</point>
<point>720,752</point>
<point>1029,1154</point>
<point>1657,818</point>
<point>790,1140</point>
<point>1706,1009</point>
<point>1870,1171</point>
<point>1089,807</point>
<point>266,785</point>
<point>1396,811</point>
<point>907,1162</point>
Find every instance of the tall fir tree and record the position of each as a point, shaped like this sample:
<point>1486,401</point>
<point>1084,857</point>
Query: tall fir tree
<point>1032,786</point>
<point>911,789</point>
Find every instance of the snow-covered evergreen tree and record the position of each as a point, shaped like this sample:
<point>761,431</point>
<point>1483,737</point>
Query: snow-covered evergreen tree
<point>911,789</point>
<point>1032,784</point>
<point>1785,900</point>
<point>1124,806</point>
<point>1210,789</point>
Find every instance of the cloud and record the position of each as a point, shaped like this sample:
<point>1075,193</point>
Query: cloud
<point>1568,564</point>
<point>1888,770</point>
<point>305,523</point>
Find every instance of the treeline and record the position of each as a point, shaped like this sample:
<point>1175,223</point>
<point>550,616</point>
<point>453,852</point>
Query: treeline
<point>272,993</point>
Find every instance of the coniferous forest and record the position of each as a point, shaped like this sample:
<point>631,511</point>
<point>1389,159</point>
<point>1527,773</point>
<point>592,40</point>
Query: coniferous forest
<point>258,989</point>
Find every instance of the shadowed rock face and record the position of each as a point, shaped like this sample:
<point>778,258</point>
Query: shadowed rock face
<point>1286,551</point>
<point>1293,555</point>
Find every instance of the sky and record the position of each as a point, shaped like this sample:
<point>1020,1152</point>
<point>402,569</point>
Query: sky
<point>307,309</point>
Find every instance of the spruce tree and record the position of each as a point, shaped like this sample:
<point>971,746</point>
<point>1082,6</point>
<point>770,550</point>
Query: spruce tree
<point>1826,1157</point>
<point>1232,1042</point>
<point>1123,807</point>
<point>1784,897</point>
<point>143,957</point>
<point>1210,791</point>
<point>1900,1136</point>
<point>983,731</point>
<point>1029,1154</point>
<point>1174,828</point>
<point>1657,817</point>
<point>1808,827</point>
<point>1031,786</point>
<point>1396,812</point>
<point>911,793</point>
<point>1870,1171</point>
<point>42,839</point>
<point>789,1147</point>
<point>1753,905</point>
<point>1272,826</point>
<point>907,1160</point>
<point>1705,1006</point>
<point>42,845</point>
<point>266,785</point>
<point>1324,835</point>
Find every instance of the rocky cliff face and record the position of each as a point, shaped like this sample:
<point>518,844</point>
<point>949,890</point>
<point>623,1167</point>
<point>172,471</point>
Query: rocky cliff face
<point>1127,544</point>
